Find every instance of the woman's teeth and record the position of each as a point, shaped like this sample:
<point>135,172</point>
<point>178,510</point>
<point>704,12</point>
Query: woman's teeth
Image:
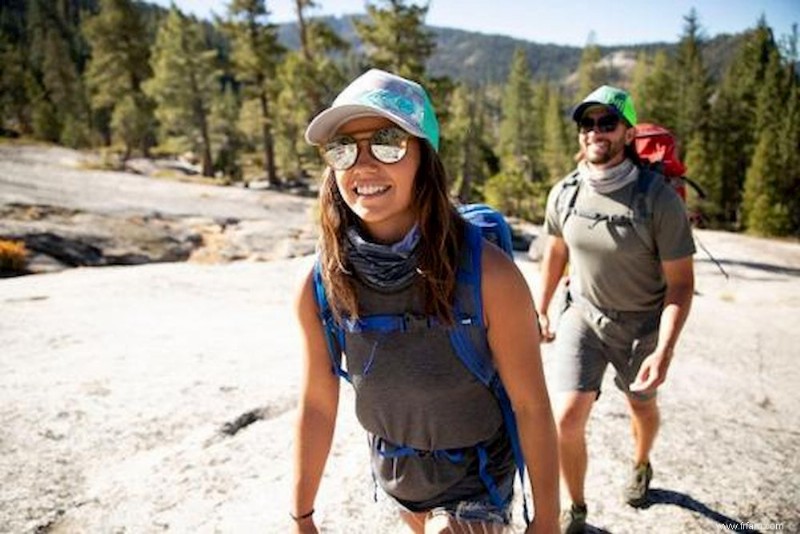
<point>369,190</point>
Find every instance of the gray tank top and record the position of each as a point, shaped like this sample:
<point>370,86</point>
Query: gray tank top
<point>412,390</point>
<point>411,387</point>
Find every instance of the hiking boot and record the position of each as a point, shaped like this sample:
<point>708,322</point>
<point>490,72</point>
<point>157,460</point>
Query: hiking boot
<point>636,491</point>
<point>573,521</point>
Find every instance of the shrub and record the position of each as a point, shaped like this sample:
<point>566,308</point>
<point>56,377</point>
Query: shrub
<point>13,256</point>
<point>514,194</point>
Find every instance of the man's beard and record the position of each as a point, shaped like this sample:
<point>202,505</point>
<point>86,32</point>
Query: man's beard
<point>610,154</point>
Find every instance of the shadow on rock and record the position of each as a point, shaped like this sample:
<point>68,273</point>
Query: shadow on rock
<point>663,496</point>
<point>759,266</point>
<point>595,530</point>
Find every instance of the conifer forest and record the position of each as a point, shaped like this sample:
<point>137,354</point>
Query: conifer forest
<point>132,79</point>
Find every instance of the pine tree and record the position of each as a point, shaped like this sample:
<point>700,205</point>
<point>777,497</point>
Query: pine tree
<point>118,67</point>
<point>15,76</point>
<point>293,115</point>
<point>513,194</point>
<point>591,74</point>
<point>462,149</point>
<point>45,121</point>
<point>318,41</point>
<point>183,85</point>
<point>65,90</point>
<point>14,101</point>
<point>225,134</point>
<point>691,123</point>
<point>693,84</point>
<point>60,108</point>
<point>310,72</point>
<point>787,126</point>
<point>765,212</point>
<point>395,38</point>
<point>559,144</point>
<point>517,143</point>
<point>656,100</point>
<point>255,55</point>
<point>766,202</point>
<point>639,76</point>
<point>789,141</point>
<point>736,125</point>
<point>512,190</point>
<point>702,168</point>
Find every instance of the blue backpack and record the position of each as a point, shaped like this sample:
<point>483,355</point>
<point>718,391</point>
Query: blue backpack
<point>484,223</point>
<point>493,225</point>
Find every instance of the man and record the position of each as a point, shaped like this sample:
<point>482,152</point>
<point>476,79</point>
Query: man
<point>628,241</point>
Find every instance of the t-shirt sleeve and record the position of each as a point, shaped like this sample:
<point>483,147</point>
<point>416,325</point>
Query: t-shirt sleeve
<point>672,229</point>
<point>552,222</point>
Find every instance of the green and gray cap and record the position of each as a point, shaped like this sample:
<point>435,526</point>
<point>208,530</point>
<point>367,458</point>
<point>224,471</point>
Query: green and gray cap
<point>382,94</point>
<point>619,101</point>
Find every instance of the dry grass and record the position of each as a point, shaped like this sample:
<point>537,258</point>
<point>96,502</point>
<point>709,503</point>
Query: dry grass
<point>13,256</point>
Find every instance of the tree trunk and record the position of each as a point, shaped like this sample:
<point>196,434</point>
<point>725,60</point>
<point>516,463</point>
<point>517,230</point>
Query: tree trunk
<point>301,23</point>
<point>207,165</point>
<point>308,55</point>
<point>466,170</point>
<point>269,148</point>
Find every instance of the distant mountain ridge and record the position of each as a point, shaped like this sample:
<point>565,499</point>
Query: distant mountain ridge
<point>478,58</point>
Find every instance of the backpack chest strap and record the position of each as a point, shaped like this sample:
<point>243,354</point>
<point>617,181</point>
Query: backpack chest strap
<point>387,323</point>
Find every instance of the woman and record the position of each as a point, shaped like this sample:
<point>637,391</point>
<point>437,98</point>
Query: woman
<point>393,244</point>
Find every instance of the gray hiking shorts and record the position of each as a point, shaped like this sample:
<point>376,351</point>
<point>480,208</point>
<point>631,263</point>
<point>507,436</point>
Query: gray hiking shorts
<point>588,339</point>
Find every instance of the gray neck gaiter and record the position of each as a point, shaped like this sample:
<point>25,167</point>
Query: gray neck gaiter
<point>384,267</point>
<point>605,181</point>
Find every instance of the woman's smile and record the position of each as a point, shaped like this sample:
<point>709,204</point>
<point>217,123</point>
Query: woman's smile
<point>370,190</point>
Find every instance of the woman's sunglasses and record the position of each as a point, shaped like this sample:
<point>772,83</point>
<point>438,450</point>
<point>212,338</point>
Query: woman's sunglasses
<point>605,124</point>
<point>387,145</point>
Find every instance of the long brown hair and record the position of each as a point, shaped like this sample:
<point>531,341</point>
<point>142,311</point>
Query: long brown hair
<point>441,232</point>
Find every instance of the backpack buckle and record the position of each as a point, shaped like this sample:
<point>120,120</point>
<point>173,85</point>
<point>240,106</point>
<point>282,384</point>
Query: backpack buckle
<point>415,323</point>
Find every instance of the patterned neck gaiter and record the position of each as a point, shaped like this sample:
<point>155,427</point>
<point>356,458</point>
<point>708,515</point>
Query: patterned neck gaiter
<point>383,267</point>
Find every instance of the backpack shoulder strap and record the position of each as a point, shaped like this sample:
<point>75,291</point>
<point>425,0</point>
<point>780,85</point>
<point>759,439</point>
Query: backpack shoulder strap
<point>566,197</point>
<point>647,188</point>
<point>334,333</point>
<point>479,359</point>
<point>469,280</point>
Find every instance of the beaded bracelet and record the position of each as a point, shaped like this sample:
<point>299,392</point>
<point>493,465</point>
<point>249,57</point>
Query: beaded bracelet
<point>301,517</point>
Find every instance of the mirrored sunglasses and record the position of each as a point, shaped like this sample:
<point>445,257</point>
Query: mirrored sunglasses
<point>605,124</point>
<point>387,145</point>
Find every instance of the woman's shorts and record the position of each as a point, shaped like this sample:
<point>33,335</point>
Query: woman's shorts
<point>478,508</point>
<point>438,485</point>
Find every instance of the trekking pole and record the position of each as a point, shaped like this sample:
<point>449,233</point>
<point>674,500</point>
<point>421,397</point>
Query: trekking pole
<point>711,256</point>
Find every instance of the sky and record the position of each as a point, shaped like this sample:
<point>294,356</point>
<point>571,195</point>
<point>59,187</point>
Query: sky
<point>564,22</point>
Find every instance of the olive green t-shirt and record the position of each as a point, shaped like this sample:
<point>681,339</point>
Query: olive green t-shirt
<point>611,265</point>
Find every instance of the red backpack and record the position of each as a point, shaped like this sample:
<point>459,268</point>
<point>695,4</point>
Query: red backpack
<point>657,147</point>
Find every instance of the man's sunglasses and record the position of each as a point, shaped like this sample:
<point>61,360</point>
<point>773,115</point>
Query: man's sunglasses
<point>605,124</point>
<point>387,145</point>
